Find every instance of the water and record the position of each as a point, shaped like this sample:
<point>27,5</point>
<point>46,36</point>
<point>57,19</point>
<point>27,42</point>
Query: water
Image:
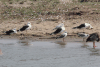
<point>25,53</point>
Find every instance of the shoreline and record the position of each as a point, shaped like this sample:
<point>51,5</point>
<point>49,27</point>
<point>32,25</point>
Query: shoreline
<point>43,38</point>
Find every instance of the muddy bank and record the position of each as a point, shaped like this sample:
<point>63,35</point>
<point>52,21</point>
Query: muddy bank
<point>41,38</point>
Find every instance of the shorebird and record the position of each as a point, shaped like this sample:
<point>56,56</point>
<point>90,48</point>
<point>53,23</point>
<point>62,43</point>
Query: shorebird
<point>9,32</point>
<point>58,30</point>
<point>93,37</point>
<point>82,26</point>
<point>62,36</point>
<point>25,27</point>
<point>58,26</point>
<point>83,35</point>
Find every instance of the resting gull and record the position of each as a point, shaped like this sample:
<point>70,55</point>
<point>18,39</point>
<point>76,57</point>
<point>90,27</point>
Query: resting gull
<point>9,32</point>
<point>58,30</point>
<point>62,36</point>
<point>83,35</point>
<point>82,26</point>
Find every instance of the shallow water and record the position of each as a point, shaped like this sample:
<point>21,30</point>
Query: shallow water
<point>24,53</point>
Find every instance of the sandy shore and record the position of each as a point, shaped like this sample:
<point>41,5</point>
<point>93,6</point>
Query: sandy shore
<point>44,28</point>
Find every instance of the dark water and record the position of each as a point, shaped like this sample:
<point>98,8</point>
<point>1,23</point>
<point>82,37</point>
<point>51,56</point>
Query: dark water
<point>24,53</point>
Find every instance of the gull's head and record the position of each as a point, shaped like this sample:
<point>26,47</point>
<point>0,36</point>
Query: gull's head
<point>65,32</point>
<point>89,25</point>
<point>15,31</point>
<point>28,23</point>
<point>87,35</point>
<point>62,24</point>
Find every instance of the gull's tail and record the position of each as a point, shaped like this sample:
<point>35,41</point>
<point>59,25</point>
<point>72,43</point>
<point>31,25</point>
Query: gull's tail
<point>51,33</point>
<point>3,31</point>
<point>57,37</point>
<point>74,27</point>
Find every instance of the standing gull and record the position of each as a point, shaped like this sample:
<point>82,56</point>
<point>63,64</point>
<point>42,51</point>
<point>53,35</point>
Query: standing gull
<point>25,27</point>
<point>60,25</point>
<point>62,36</point>
<point>82,26</point>
<point>83,35</point>
<point>93,37</point>
<point>9,32</point>
<point>58,30</point>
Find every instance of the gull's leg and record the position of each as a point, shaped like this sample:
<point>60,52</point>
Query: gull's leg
<point>83,39</point>
<point>83,30</point>
<point>21,35</point>
<point>63,39</point>
<point>26,32</point>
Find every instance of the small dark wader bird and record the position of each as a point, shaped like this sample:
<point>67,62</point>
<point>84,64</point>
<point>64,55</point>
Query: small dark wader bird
<point>26,27</point>
<point>93,37</point>
<point>83,35</point>
<point>58,30</point>
<point>9,32</point>
<point>62,36</point>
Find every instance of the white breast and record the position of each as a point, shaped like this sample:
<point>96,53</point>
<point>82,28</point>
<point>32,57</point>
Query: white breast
<point>65,34</point>
<point>63,28</point>
<point>15,31</point>
<point>29,26</point>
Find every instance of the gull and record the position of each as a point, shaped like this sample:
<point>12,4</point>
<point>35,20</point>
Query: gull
<point>25,27</point>
<point>82,26</point>
<point>93,37</point>
<point>58,30</point>
<point>9,32</point>
<point>58,26</point>
<point>83,35</point>
<point>62,36</point>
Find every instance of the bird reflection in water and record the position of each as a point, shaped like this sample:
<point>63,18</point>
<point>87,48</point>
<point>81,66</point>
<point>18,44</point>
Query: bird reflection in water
<point>1,52</point>
<point>25,43</point>
<point>61,43</point>
<point>94,51</point>
<point>84,44</point>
